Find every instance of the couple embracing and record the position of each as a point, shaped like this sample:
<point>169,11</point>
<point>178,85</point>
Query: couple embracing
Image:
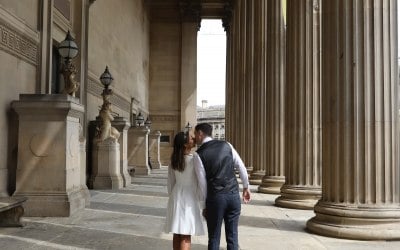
<point>204,184</point>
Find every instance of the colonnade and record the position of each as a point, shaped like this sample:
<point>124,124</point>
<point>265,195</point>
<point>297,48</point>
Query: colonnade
<point>312,107</point>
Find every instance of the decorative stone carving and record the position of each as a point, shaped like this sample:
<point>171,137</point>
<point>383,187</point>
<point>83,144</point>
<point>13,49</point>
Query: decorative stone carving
<point>71,85</point>
<point>105,130</point>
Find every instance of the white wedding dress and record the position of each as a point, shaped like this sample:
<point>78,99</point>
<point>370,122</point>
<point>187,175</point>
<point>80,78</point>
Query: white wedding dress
<point>184,215</point>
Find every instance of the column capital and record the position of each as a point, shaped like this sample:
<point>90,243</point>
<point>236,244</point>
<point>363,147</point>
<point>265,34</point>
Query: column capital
<point>190,11</point>
<point>227,16</point>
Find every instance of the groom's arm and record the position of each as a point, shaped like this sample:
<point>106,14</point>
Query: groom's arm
<point>237,161</point>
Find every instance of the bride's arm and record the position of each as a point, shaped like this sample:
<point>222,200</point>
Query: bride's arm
<point>201,180</point>
<point>171,180</point>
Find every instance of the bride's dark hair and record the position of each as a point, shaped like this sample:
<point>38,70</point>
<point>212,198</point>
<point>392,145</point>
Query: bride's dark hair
<point>177,157</point>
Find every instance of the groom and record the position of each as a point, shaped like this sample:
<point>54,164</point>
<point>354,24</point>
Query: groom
<point>218,161</point>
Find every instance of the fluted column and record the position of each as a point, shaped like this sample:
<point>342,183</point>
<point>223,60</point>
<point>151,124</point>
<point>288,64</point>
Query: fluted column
<point>248,87</point>
<point>259,93</point>
<point>275,154</point>
<point>190,17</point>
<point>360,157</point>
<point>227,24</point>
<point>302,188</point>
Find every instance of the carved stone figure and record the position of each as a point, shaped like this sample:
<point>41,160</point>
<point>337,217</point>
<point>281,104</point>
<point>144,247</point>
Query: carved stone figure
<point>71,85</point>
<point>105,130</point>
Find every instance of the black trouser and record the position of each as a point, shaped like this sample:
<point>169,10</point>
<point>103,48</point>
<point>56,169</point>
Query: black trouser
<point>223,207</point>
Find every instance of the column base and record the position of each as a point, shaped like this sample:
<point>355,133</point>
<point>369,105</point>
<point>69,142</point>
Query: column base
<point>256,177</point>
<point>53,204</point>
<point>361,222</point>
<point>298,197</point>
<point>156,164</point>
<point>108,182</point>
<point>271,184</point>
<point>142,170</point>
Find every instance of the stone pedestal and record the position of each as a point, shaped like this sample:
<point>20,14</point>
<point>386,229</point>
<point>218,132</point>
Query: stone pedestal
<point>154,149</point>
<point>138,145</point>
<point>49,164</point>
<point>122,125</point>
<point>106,165</point>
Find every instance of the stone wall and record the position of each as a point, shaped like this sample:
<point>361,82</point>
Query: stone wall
<point>19,45</point>
<point>165,84</point>
<point>119,38</point>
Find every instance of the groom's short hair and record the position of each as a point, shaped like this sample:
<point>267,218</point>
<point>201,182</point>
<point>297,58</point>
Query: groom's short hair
<point>205,128</point>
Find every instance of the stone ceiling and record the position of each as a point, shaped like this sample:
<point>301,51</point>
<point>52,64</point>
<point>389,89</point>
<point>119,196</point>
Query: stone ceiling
<point>209,8</point>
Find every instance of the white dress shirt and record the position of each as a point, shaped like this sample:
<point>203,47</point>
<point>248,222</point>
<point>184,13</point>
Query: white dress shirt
<point>201,172</point>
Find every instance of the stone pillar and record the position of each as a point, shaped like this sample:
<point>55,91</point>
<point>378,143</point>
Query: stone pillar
<point>302,188</point>
<point>248,86</point>
<point>106,165</point>
<point>259,93</point>
<point>227,23</point>
<point>275,93</point>
<point>190,15</point>
<point>49,164</point>
<point>138,145</point>
<point>122,125</point>
<point>154,149</point>
<point>360,156</point>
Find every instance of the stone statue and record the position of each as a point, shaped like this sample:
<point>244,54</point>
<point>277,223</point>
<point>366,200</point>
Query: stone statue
<point>71,85</point>
<point>105,130</point>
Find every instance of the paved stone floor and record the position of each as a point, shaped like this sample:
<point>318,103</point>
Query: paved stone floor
<point>133,218</point>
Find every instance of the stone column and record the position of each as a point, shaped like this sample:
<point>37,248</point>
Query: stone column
<point>228,26</point>
<point>360,156</point>
<point>138,145</point>
<point>248,86</point>
<point>302,188</point>
<point>46,46</point>
<point>232,101</point>
<point>275,92</point>
<point>49,164</point>
<point>259,93</point>
<point>122,125</point>
<point>154,149</point>
<point>190,15</point>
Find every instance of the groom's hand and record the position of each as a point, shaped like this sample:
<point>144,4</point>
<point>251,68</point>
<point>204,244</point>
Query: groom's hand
<point>246,195</point>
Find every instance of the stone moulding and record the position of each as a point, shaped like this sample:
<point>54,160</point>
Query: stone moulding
<point>17,38</point>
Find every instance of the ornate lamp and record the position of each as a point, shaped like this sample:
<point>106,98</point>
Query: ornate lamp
<point>106,78</point>
<point>147,123</point>
<point>69,50</point>
<point>188,127</point>
<point>139,119</point>
<point>105,130</point>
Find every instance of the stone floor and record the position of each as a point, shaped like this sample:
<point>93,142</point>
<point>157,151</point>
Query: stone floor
<point>133,218</point>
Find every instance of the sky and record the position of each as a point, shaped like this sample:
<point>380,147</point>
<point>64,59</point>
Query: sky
<point>211,60</point>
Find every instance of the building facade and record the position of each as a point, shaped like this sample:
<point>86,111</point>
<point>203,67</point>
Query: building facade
<point>215,116</point>
<point>311,100</point>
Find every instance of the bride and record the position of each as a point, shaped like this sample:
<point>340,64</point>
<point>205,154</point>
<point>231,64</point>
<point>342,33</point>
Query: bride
<point>186,201</point>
